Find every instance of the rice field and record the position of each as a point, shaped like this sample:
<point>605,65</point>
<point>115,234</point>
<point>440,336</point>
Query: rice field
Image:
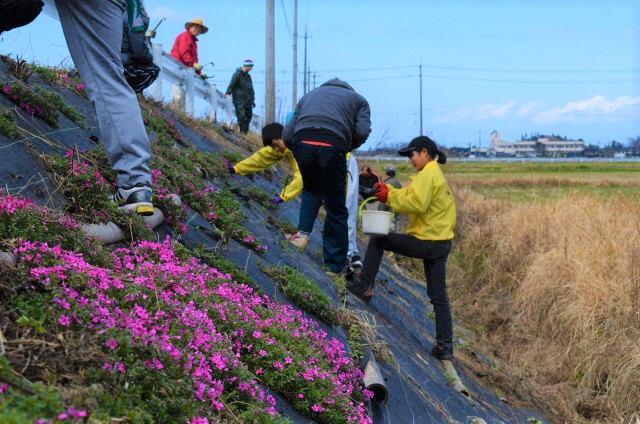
<point>534,181</point>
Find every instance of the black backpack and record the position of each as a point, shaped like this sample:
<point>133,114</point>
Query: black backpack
<point>17,13</point>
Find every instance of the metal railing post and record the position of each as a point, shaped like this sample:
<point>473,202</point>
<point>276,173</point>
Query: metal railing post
<point>229,109</point>
<point>156,87</point>
<point>213,103</point>
<point>190,91</point>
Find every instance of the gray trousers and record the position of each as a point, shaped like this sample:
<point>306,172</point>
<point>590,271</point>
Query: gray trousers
<point>352,205</point>
<point>93,30</point>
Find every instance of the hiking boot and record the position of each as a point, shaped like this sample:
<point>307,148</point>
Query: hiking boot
<point>355,262</point>
<point>137,199</point>
<point>299,240</point>
<point>358,288</point>
<point>442,352</point>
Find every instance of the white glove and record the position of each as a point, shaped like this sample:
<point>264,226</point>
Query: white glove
<point>150,34</point>
<point>197,66</point>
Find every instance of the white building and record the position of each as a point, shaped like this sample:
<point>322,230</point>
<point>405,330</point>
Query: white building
<point>549,145</point>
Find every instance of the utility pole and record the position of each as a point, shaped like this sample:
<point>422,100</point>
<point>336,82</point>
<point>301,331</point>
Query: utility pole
<point>294,94</point>
<point>304,84</point>
<point>421,133</point>
<point>270,92</point>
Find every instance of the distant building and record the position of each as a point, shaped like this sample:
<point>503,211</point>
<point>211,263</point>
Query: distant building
<point>544,145</point>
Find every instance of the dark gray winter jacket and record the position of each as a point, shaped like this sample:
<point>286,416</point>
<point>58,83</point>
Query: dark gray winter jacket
<point>333,113</point>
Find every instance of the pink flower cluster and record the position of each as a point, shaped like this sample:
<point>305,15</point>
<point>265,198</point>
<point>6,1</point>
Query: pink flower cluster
<point>15,94</point>
<point>72,415</point>
<point>10,205</point>
<point>147,300</point>
<point>71,83</point>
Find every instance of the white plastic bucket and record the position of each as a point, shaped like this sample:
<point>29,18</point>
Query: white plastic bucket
<point>375,222</point>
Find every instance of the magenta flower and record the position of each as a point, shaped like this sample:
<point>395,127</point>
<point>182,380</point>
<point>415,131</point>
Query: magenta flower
<point>64,320</point>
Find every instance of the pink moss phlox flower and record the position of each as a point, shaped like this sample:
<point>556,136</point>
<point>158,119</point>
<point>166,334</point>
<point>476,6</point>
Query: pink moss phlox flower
<point>182,332</point>
<point>64,320</point>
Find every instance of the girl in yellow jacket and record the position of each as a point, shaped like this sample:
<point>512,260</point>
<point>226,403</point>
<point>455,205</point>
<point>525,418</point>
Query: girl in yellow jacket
<point>428,202</point>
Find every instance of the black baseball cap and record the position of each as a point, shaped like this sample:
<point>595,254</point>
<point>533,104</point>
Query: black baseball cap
<point>419,143</point>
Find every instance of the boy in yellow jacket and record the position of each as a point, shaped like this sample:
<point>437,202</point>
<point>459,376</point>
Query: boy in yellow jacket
<point>431,208</point>
<point>273,152</point>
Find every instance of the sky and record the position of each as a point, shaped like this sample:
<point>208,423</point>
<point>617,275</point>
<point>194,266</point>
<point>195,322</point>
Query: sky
<point>455,71</point>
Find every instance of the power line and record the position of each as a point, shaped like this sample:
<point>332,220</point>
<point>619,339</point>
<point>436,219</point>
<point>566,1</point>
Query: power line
<point>531,81</point>
<point>452,68</point>
<point>491,80</point>
<point>286,19</point>
<point>537,71</point>
<point>367,69</point>
<point>383,78</point>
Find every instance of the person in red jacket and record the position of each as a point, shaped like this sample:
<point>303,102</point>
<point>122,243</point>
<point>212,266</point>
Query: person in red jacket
<point>185,50</point>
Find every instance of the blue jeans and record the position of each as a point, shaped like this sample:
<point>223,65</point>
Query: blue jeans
<point>324,176</point>
<point>434,255</point>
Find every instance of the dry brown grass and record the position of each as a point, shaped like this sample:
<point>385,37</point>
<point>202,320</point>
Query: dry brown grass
<point>555,290</point>
<point>545,182</point>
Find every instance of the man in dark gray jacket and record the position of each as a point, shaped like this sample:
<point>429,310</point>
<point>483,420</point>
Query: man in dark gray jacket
<point>329,122</point>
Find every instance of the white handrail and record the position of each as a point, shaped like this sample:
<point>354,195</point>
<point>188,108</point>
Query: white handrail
<point>183,77</point>
<point>191,83</point>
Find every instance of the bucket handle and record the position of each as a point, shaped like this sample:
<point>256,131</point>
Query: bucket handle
<point>365,201</point>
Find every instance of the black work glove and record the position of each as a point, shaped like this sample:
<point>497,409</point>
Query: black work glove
<point>364,191</point>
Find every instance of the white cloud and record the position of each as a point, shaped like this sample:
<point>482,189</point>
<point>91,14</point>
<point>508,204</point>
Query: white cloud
<point>481,112</point>
<point>527,109</point>
<point>596,106</point>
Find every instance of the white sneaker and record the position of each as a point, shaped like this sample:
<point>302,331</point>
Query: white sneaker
<point>137,199</point>
<point>355,262</point>
<point>299,240</point>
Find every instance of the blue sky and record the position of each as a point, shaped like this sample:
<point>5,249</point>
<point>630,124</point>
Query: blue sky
<point>570,68</point>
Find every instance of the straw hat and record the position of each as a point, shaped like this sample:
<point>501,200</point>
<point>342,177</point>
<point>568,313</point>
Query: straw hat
<point>198,22</point>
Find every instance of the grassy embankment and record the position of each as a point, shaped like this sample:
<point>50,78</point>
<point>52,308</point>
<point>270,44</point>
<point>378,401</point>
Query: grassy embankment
<point>546,271</point>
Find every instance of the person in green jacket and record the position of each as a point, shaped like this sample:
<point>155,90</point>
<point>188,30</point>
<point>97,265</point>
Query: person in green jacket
<point>431,208</point>
<point>273,152</point>
<point>241,89</point>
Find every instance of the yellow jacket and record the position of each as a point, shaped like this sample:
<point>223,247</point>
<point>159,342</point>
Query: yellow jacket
<point>429,203</point>
<point>264,158</point>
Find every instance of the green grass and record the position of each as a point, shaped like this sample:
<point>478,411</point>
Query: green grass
<point>525,182</point>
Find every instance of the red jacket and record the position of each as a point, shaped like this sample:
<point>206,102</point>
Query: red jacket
<point>185,49</point>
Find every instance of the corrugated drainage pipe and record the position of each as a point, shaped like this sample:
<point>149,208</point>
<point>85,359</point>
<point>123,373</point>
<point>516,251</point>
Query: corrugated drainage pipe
<point>7,260</point>
<point>110,233</point>
<point>373,381</point>
<point>454,378</point>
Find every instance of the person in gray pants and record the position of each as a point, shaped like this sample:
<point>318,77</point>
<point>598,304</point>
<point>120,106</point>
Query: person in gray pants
<point>93,30</point>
